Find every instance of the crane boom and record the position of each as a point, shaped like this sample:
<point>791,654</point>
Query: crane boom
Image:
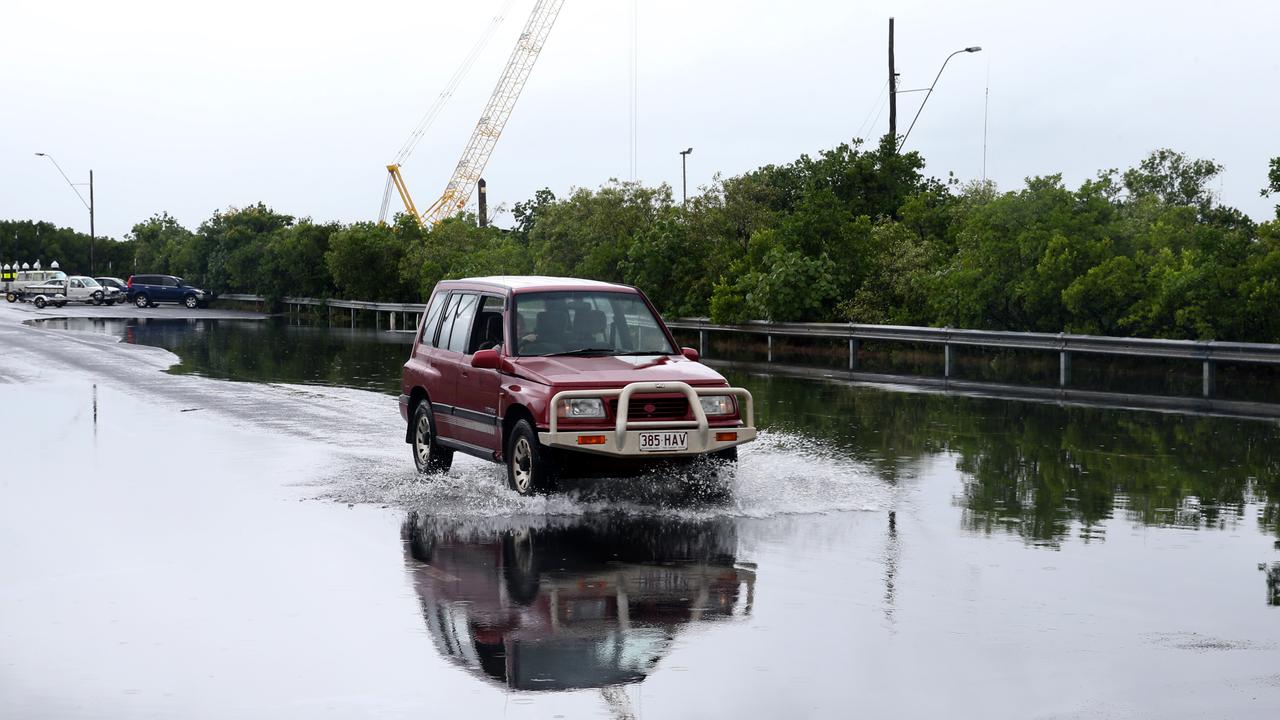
<point>497,112</point>
<point>492,121</point>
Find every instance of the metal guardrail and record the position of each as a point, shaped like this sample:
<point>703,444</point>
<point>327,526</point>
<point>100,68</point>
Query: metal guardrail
<point>393,310</point>
<point>319,302</point>
<point>1147,347</point>
<point>1208,353</point>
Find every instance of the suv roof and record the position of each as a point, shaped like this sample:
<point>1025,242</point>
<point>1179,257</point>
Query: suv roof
<point>519,283</point>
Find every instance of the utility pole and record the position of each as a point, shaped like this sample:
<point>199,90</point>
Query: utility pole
<point>482,191</point>
<point>893,91</point>
<point>91,233</point>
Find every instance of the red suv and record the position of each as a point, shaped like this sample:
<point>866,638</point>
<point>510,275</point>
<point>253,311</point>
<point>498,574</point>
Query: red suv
<point>546,374</point>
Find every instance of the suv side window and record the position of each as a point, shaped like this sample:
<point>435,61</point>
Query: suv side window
<point>432,319</point>
<point>440,337</point>
<point>486,331</point>
<point>168,281</point>
<point>459,323</point>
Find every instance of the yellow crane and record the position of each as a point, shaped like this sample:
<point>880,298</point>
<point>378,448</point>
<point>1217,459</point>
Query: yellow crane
<point>488,129</point>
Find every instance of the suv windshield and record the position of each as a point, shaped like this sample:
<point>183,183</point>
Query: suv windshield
<point>587,323</point>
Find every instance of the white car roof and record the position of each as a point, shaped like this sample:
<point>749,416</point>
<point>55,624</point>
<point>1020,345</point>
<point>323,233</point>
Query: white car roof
<point>521,282</point>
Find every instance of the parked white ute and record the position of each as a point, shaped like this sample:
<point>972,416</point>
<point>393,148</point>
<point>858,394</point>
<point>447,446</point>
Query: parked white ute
<point>76,288</point>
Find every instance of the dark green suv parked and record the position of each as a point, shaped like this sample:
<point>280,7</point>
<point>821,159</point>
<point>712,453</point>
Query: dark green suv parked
<point>148,290</point>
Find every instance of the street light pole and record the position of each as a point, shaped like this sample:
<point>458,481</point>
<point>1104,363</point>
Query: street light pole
<point>684,177</point>
<point>972,49</point>
<point>88,204</point>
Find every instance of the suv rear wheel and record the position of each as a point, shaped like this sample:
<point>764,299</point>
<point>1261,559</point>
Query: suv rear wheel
<point>428,456</point>
<point>529,467</point>
<point>141,300</point>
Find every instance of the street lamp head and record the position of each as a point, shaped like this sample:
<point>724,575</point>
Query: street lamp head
<point>975,48</point>
<point>686,152</point>
<point>39,154</point>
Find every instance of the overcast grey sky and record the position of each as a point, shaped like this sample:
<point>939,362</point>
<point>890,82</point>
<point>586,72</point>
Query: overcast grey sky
<point>190,108</point>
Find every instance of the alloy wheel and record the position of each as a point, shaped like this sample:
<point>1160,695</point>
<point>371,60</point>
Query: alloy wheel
<point>522,466</point>
<point>422,440</point>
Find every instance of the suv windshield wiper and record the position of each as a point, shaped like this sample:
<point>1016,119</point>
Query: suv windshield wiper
<point>644,352</point>
<point>581,351</point>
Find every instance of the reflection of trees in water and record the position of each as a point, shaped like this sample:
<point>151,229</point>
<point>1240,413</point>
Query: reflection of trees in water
<point>1042,466</point>
<point>1035,469</point>
<point>273,351</point>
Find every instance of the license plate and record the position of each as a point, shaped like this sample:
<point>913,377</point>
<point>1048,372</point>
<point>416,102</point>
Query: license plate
<point>664,441</point>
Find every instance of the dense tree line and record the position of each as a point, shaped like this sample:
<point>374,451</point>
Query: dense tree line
<point>854,234</point>
<point>24,241</point>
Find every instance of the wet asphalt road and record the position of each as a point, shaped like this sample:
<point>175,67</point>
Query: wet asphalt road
<point>174,546</point>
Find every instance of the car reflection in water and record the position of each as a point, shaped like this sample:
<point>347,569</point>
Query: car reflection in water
<point>1273,581</point>
<point>592,604</point>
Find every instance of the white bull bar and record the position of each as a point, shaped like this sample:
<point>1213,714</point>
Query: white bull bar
<point>623,439</point>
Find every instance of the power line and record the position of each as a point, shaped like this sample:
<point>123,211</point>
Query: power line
<point>986,100</point>
<point>468,61</point>
<point>867,122</point>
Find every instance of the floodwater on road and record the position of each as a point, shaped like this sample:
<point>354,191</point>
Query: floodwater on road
<point>179,545</point>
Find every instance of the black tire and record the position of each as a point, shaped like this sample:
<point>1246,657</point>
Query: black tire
<point>96,298</point>
<point>530,468</point>
<point>191,301</point>
<point>420,542</point>
<point>141,300</point>
<point>11,297</point>
<point>39,302</point>
<point>520,567</point>
<point>428,456</point>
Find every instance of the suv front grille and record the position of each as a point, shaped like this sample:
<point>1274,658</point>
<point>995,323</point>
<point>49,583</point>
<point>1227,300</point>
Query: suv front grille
<point>654,407</point>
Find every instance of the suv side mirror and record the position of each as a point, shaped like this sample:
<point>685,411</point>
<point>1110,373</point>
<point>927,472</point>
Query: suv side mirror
<point>486,360</point>
<point>690,353</point>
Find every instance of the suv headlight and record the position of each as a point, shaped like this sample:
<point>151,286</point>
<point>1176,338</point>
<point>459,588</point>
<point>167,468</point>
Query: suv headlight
<point>716,404</point>
<point>581,408</point>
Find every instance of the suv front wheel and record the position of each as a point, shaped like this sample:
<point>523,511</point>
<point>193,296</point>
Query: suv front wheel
<point>529,467</point>
<point>428,456</point>
<point>191,301</point>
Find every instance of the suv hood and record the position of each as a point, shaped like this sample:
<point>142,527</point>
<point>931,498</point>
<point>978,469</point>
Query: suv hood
<point>614,371</point>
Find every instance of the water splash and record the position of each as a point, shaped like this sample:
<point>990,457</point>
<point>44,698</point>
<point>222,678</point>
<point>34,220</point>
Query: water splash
<point>781,473</point>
